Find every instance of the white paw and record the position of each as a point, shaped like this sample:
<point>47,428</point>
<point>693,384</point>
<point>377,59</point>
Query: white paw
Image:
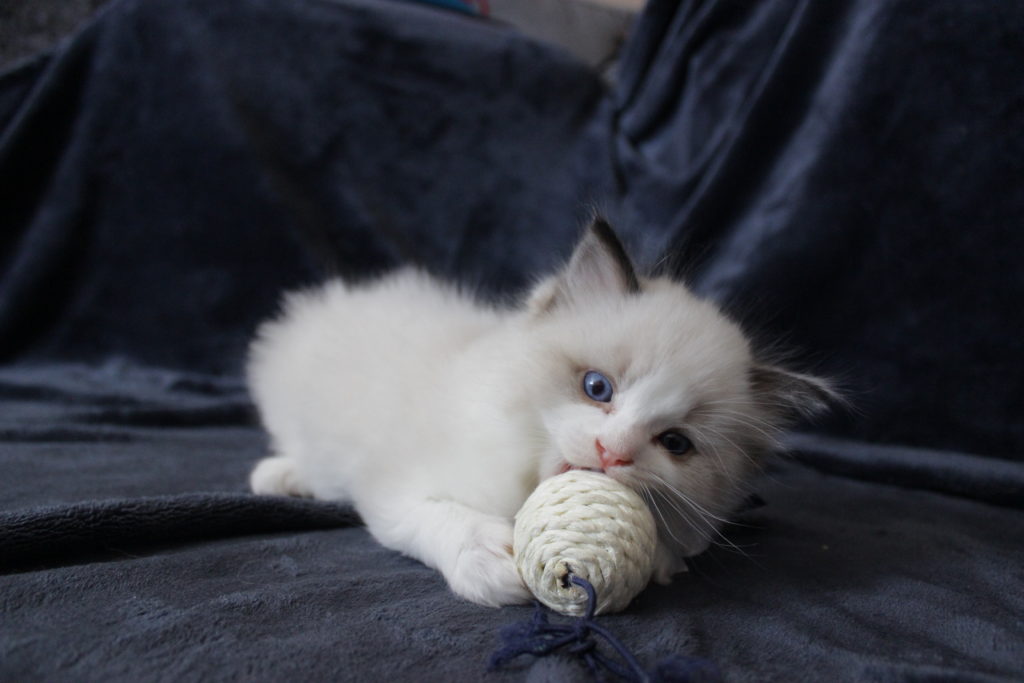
<point>277,477</point>
<point>485,572</point>
<point>666,565</point>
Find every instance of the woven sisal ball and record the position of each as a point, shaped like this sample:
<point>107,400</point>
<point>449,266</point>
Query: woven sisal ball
<point>591,525</point>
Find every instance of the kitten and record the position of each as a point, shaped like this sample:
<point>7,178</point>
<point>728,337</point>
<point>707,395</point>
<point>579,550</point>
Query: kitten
<point>436,415</point>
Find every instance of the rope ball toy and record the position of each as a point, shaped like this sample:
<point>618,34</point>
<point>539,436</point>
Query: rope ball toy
<point>584,524</point>
<point>584,544</point>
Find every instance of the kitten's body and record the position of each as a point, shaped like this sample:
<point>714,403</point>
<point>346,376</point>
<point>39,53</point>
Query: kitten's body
<point>436,415</point>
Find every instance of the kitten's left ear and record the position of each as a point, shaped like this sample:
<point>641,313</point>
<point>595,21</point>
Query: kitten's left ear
<point>599,266</point>
<point>792,394</point>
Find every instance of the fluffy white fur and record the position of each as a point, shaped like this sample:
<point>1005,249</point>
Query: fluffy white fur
<point>436,415</point>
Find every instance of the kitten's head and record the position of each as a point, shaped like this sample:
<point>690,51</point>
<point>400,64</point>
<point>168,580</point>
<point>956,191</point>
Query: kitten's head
<point>654,386</point>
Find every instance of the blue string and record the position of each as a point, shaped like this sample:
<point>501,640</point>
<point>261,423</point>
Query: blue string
<point>539,637</point>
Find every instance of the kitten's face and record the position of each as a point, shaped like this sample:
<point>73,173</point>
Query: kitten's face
<point>653,390</point>
<point>652,386</point>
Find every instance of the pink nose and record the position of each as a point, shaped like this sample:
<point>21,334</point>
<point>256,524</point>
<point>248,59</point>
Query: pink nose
<point>611,458</point>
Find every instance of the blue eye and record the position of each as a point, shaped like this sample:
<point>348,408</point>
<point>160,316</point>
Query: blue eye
<point>597,386</point>
<point>674,442</point>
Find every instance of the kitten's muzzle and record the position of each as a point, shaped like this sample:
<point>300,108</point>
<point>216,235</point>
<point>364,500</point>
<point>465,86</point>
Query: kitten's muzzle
<point>611,458</point>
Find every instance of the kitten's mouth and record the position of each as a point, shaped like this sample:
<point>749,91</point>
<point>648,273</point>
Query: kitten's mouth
<point>567,466</point>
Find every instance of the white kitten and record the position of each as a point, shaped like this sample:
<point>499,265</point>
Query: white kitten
<point>436,415</point>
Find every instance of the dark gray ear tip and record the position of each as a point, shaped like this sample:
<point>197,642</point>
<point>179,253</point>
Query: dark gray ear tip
<point>602,230</point>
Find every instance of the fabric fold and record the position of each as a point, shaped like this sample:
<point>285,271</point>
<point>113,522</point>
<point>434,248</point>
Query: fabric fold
<point>68,534</point>
<point>992,480</point>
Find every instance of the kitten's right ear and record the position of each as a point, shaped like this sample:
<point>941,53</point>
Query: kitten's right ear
<point>792,394</point>
<point>599,266</point>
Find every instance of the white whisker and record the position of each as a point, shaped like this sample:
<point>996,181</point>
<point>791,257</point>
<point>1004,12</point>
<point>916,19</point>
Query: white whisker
<point>654,506</point>
<point>703,514</point>
<point>686,499</point>
<point>738,449</point>
<point>770,431</point>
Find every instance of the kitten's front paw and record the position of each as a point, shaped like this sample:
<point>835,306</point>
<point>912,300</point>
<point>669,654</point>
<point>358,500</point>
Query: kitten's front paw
<point>666,565</point>
<point>485,572</point>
